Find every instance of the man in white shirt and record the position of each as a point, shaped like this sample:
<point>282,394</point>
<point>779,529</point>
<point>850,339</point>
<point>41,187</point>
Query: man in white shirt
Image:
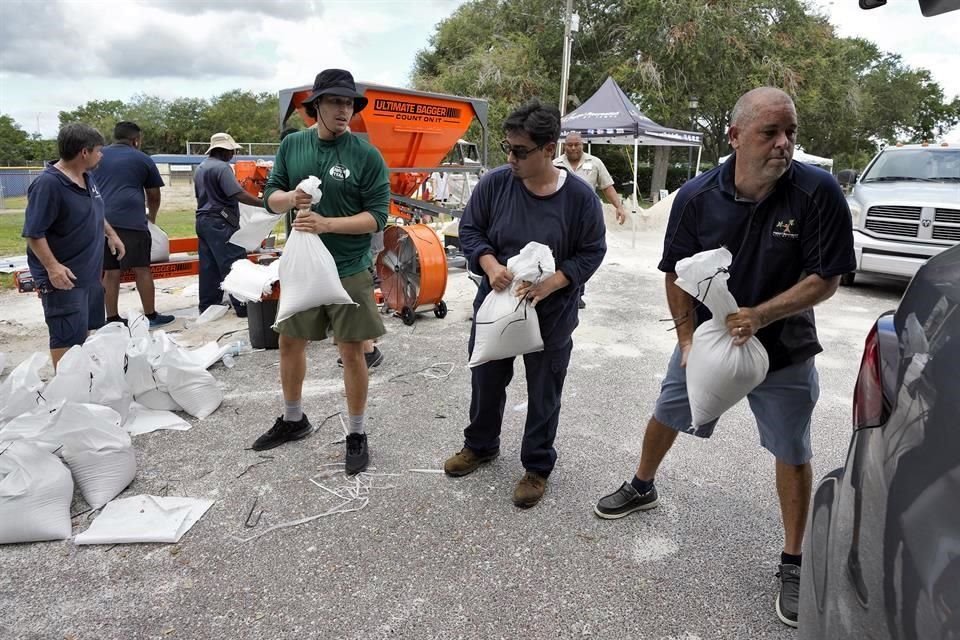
<point>592,170</point>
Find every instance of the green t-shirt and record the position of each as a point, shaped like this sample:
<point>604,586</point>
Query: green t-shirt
<point>353,178</point>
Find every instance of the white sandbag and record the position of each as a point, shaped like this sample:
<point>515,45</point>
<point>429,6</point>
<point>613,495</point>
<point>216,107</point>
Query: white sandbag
<point>249,282</point>
<point>157,400</point>
<point>74,378</point>
<point>3,361</point>
<point>139,374</point>
<point>213,312</point>
<point>159,243</point>
<point>308,276</point>
<point>144,518</point>
<point>195,390</point>
<point>35,494</point>
<point>508,326</point>
<point>138,325</point>
<point>719,374</point>
<point>20,392</point>
<point>30,425</point>
<point>107,353</point>
<point>97,450</point>
<point>256,223</point>
<point>144,420</point>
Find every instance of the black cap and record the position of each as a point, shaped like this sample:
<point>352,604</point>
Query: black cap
<point>337,82</point>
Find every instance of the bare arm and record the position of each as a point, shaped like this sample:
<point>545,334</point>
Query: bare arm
<point>681,306</point>
<point>60,276</point>
<point>246,198</point>
<point>153,203</point>
<point>810,291</point>
<point>610,193</point>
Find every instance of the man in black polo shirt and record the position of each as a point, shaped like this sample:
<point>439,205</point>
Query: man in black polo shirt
<point>130,185</point>
<point>789,229</point>
<point>64,226</point>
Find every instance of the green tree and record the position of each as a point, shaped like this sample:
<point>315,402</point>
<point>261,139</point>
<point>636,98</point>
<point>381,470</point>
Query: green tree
<point>14,142</point>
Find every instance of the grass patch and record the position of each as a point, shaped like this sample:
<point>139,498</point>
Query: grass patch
<point>15,202</point>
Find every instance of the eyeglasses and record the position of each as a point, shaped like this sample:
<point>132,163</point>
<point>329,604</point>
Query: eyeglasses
<point>520,153</point>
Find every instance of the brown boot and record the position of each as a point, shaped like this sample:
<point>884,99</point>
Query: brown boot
<point>529,490</point>
<point>466,461</point>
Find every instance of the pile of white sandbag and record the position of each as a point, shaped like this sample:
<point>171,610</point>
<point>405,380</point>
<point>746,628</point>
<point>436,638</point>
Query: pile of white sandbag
<point>76,428</point>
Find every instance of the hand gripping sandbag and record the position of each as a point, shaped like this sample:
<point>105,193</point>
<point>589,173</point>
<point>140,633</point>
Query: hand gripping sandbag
<point>507,326</point>
<point>35,494</point>
<point>719,373</point>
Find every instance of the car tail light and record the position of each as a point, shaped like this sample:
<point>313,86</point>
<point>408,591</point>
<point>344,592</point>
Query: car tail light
<point>868,394</point>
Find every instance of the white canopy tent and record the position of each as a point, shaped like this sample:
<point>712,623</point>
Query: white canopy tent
<point>609,117</point>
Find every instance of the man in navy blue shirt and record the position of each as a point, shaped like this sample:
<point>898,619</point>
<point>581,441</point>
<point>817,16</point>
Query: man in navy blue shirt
<point>125,175</point>
<point>64,226</point>
<point>528,200</point>
<point>789,229</point>
<point>218,218</point>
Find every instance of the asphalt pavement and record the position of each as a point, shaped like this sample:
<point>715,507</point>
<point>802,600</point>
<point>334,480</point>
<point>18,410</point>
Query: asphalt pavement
<point>435,557</point>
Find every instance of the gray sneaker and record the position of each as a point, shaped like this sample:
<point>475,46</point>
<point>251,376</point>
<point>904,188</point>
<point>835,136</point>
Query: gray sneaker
<point>625,501</point>
<point>788,600</point>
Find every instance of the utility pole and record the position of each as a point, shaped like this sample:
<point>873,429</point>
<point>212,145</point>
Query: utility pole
<point>565,65</point>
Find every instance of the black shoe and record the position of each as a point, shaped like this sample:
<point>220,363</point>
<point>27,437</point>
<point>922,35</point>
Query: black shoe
<point>283,431</point>
<point>160,320</point>
<point>357,455</point>
<point>788,600</point>
<point>374,358</point>
<point>625,501</point>
<point>241,310</point>
<point>122,321</point>
<point>581,304</point>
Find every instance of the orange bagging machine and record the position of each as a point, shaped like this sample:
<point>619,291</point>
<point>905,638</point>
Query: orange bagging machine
<point>414,131</point>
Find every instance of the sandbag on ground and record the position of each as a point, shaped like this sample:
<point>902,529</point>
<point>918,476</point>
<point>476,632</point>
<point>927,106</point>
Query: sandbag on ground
<point>35,494</point>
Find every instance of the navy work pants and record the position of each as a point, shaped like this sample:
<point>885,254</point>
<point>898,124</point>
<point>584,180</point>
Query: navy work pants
<point>216,256</point>
<point>546,372</point>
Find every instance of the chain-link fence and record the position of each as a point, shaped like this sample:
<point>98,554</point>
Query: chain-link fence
<point>14,182</point>
<point>249,148</point>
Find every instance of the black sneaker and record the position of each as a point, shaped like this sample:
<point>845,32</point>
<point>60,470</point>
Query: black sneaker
<point>283,431</point>
<point>357,455</point>
<point>374,358</point>
<point>788,600</point>
<point>160,320</point>
<point>625,501</point>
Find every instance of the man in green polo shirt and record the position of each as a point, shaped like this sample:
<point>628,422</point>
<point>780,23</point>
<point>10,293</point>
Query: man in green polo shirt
<point>356,195</point>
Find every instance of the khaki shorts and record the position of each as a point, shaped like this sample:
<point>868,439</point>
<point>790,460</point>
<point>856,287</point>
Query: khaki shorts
<point>347,322</point>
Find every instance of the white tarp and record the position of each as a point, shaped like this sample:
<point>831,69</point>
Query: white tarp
<point>144,518</point>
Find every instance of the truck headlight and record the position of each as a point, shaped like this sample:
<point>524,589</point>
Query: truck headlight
<point>856,211</point>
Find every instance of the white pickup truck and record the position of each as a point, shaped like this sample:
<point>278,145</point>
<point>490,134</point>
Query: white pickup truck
<point>906,209</point>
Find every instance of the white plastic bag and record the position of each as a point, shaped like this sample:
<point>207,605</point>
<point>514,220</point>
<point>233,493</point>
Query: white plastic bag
<point>719,374</point>
<point>249,282</point>
<point>98,452</point>
<point>35,494</point>
<point>308,276</point>
<point>73,380</point>
<point>256,223</point>
<point>20,392</point>
<point>159,243</point>
<point>507,326</point>
<point>144,519</point>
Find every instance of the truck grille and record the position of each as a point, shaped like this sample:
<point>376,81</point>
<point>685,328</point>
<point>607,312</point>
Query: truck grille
<point>947,215</point>
<point>901,213</point>
<point>946,233</point>
<point>891,228</point>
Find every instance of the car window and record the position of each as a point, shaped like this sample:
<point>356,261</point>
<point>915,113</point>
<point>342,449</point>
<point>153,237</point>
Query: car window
<point>917,164</point>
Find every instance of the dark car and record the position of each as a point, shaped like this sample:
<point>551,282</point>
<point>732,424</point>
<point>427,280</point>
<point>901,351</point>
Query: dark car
<point>882,550</point>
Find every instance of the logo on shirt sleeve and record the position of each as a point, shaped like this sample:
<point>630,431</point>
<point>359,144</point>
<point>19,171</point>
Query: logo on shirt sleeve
<point>786,229</point>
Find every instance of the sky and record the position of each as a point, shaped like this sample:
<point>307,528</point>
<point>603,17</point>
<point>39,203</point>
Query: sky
<point>59,54</point>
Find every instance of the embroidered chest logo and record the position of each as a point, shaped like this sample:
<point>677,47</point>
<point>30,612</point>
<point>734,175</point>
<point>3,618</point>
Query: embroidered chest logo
<point>94,192</point>
<point>786,229</point>
<point>339,172</point>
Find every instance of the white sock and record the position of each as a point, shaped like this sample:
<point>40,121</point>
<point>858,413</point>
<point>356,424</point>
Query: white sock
<point>355,424</point>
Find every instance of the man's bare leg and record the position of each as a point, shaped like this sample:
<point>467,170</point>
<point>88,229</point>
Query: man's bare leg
<point>355,376</point>
<point>794,486</point>
<point>145,288</point>
<point>56,354</point>
<point>293,367</point>
<point>111,292</point>
<point>657,441</point>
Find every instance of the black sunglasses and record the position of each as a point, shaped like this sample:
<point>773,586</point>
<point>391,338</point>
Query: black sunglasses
<point>520,153</point>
